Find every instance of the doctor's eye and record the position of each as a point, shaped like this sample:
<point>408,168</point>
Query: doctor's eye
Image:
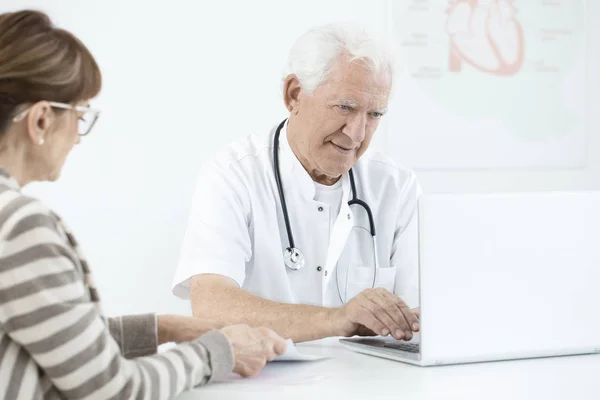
<point>376,114</point>
<point>344,107</point>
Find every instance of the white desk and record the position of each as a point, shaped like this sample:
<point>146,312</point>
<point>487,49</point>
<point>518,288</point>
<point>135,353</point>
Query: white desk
<point>350,375</point>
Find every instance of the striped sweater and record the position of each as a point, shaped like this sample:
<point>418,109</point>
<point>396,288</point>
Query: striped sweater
<point>54,344</point>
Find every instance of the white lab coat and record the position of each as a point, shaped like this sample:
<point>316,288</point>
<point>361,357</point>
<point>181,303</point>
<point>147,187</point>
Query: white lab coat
<point>236,228</point>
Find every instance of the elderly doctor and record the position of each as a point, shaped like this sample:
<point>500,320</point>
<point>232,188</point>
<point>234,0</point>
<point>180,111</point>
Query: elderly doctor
<point>280,232</point>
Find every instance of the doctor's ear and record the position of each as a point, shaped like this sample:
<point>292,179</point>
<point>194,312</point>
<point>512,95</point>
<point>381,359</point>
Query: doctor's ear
<point>291,93</point>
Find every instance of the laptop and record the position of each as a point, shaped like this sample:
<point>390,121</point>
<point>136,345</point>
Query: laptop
<point>502,277</point>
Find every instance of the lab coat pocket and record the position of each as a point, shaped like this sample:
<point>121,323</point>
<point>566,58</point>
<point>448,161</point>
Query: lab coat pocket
<point>361,278</point>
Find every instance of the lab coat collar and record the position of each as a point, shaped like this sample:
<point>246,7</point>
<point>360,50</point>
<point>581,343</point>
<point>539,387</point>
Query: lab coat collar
<point>299,182</point>
<point>6,179</point>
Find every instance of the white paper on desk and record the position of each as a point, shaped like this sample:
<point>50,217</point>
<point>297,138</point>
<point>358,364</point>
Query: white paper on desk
<point>291,354</point>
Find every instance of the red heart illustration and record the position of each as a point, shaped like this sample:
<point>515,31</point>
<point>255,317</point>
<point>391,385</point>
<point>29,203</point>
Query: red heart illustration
<point>485,34</point>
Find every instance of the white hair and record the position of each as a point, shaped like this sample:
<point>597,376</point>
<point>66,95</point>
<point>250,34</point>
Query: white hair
<point>313,55</point>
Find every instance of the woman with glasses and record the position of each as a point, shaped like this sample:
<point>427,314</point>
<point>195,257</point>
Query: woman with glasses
<point>54,342</point>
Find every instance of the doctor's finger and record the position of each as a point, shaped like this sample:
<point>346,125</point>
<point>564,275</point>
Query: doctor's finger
<point>362,316</point>
<point>409,315</point>
<point>364,331</point>
<point>378,311</point>
<point>387,312</point>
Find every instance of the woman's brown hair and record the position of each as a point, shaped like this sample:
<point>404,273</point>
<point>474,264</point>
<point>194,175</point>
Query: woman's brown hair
<point>39,61</point>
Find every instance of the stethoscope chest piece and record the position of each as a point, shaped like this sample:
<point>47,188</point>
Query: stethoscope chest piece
<point>293,258</point>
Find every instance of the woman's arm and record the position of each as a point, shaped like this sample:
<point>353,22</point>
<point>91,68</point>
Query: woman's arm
<point>140,335</point>
<point>44,308</point>
<point>136,335</point>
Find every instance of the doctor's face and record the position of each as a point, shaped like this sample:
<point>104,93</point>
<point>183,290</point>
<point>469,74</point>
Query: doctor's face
<point>330,129</point>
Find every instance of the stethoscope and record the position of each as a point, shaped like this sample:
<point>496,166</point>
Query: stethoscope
<point>292,256</point>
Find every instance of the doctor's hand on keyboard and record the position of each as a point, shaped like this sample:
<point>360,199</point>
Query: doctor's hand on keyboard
<point>375,312</point>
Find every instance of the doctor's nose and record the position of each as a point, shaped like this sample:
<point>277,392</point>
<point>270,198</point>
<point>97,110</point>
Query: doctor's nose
<point>356,127</point>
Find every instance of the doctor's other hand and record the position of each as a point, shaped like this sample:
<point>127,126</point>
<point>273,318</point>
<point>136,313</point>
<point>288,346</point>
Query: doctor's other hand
<point>376,311</point>
<point>253,348</point>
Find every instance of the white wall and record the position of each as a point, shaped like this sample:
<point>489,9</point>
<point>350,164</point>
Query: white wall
<point>183,78</point>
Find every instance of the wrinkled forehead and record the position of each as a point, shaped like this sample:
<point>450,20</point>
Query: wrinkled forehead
<point>356,82</point>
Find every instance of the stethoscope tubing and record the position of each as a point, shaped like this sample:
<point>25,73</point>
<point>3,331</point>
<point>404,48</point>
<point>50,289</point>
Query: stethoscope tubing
<point>294,253</point>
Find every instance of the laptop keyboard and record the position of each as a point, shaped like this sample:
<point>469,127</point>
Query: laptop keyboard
<point>407,347</point>
<point>389,343</point>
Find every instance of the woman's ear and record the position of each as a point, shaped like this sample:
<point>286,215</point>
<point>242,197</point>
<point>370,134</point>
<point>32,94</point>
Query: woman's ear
<point>39,121</point>
<point>291,93</point>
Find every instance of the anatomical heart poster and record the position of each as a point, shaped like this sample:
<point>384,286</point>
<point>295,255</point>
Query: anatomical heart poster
<point>489,84</point>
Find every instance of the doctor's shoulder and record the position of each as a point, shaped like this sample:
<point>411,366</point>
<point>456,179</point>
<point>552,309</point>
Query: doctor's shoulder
<point>380,166</point>
<point>238,164</point>
<point>240,153</point>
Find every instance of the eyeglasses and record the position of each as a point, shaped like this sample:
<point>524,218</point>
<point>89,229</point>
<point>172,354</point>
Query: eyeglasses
<point>86,120</point>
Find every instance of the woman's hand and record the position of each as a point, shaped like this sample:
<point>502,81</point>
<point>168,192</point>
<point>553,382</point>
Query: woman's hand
<point>253,347</point>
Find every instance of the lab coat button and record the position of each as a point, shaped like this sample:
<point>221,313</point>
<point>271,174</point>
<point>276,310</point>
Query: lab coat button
<point>320,209</point>
<point>325,273</point>
<point>319,268</point>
